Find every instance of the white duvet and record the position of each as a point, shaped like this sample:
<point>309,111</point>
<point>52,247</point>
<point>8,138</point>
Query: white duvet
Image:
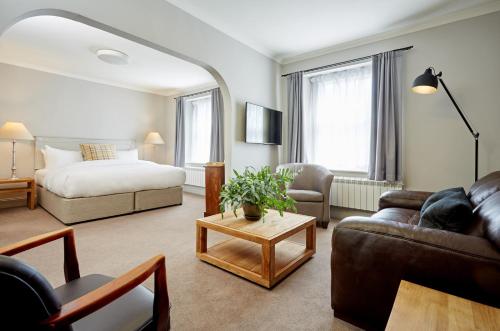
<point>94,178</point>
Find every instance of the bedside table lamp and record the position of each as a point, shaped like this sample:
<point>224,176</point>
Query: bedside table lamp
<point>427,83</point>
<point>154,138</point>
<point>14,131</point>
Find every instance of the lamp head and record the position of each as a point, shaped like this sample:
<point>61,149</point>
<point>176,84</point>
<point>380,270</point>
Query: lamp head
<point>15,131</point>
<point>426,83</point>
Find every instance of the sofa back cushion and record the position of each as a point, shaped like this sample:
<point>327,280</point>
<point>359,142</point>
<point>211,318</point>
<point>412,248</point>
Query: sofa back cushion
<point>484,188</point>
<point>488,213</point>
<point>447,210</point>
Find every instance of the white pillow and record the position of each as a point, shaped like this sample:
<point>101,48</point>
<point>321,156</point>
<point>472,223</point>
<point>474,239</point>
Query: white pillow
<point>56,158</point>
<point>130,155</point>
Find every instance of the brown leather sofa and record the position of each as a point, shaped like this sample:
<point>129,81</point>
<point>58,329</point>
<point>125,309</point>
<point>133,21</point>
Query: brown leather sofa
<point>370,255</point>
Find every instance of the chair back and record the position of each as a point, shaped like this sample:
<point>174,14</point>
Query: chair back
<point>27,298</point>
<point>307,176</point>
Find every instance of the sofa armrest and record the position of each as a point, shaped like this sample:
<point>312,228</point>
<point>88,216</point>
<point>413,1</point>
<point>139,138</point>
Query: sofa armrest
<point>403,199</point>
<point>371,257</point>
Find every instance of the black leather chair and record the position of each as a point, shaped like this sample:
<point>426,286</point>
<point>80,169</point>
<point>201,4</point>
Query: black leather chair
<point>93,302</point>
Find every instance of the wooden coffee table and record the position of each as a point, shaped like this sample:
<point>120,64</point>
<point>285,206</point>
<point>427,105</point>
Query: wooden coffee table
<point>257,251</point>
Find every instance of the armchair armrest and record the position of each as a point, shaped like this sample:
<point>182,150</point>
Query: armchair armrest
<point>403,199</point>
<point>100,297</point>
<point>371,257</point>
<point>71,268</point>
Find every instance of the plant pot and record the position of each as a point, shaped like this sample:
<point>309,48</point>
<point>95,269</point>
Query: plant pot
<point>252,212</point>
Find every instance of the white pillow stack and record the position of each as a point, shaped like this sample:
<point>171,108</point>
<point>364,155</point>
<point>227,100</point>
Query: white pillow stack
<point>56,158</point>
<point>130,155</point>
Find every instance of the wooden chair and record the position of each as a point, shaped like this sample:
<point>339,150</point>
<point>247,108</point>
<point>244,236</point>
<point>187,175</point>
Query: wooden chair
<point>92,302</point>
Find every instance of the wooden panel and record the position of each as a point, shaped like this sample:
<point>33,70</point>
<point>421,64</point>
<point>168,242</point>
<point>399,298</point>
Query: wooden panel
<point>421,308</point>
<point>271,226</point>
<point>214,179</point>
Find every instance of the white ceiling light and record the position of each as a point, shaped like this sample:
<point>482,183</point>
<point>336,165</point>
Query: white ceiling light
<point>111,56</point>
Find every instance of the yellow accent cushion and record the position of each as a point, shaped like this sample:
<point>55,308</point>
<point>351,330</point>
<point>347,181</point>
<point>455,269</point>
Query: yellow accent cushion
<point>93,152</point>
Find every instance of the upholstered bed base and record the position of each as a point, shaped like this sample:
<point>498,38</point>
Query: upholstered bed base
<point>77,210</point>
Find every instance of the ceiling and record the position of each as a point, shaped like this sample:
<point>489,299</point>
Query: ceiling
<point>290,30</point>
<point>66,47</point>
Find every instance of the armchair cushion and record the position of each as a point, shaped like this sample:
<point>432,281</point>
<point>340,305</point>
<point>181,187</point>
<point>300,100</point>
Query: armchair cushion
<point>305,195</point>
<point>27,297</point>
<point>133,311</point>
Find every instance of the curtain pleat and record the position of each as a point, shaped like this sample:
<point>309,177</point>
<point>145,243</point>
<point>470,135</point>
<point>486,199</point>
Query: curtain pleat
<point>217,132</point>
<point>295,114</point>
<point>386,146</point>
<point>179,133</point>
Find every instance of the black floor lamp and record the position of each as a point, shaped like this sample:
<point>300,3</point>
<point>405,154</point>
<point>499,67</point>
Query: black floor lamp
<point>427,83</point>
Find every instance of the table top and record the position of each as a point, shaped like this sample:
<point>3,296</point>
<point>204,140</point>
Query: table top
<point>17,180</point>
<point>268,227</point>
<point>420,308</point>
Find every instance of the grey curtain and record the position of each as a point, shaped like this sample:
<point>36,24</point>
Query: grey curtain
<point>295,114</point>
<point>217,131</point>
<point>179,133</point>
<point>385,140</point>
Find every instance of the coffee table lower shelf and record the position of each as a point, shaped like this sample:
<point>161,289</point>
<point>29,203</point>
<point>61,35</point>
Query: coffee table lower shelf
<point>245,258</point>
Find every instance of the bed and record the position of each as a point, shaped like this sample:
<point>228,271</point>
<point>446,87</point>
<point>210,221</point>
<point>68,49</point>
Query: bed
<point>90,190</point>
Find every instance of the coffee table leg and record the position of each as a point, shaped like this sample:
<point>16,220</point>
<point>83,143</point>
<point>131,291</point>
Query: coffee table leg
<point>311,237</point>
<point>268,262</point>
<point>201,239</point>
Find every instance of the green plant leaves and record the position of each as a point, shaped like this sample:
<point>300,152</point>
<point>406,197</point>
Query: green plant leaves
<point>262,188</point>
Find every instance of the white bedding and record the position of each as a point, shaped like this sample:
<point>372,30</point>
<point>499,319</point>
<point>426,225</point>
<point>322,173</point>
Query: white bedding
<point>94,178</point>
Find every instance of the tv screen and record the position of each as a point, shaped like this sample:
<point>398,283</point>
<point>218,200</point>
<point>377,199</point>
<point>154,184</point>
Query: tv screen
<point>263,125</point>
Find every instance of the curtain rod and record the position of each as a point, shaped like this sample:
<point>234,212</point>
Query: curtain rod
<point>193,94</point>
<point>348,61</point>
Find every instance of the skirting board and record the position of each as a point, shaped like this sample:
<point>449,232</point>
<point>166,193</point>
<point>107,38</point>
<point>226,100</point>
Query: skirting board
<point>76,210</point>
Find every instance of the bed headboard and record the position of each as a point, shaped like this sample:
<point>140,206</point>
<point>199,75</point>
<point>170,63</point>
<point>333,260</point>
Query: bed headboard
<point>73,144</point>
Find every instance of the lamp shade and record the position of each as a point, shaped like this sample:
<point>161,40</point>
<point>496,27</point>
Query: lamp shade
<point>154,138</point>
<point>426,83</point>
<point>15,131</point>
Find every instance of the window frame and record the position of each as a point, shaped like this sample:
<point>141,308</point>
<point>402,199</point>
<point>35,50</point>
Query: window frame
<point>306,95</point>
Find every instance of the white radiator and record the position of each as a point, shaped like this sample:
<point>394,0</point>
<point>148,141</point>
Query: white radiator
<point>359,193</point>
<point>195,176</point>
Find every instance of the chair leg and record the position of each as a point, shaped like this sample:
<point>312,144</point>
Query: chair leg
<point>324,224</point>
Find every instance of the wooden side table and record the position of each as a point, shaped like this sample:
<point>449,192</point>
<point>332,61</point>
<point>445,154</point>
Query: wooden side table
<point>29,189</point>
<point>421,308</point>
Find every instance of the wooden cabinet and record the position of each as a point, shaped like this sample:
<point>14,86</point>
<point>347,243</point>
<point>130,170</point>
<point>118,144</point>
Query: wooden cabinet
<point>214,179</point>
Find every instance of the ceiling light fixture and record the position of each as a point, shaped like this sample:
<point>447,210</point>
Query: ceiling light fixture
<point>112,57</point>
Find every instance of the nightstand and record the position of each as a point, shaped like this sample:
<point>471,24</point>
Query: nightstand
<point>29,189</point>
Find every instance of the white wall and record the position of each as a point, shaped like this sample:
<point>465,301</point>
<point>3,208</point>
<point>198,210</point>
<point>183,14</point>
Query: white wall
<point>243,74</point>
<point>438,147</point>
<point>58,106</point>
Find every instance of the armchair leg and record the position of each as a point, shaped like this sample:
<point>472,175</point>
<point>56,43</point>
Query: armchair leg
<point>324,224</point>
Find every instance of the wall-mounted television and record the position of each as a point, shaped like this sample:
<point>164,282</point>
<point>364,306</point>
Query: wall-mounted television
<point>263,125</point>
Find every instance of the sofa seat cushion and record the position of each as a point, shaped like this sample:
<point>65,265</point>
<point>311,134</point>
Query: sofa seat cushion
<point>132,311</point>
<point>402,215</point>
<point>305,195</point>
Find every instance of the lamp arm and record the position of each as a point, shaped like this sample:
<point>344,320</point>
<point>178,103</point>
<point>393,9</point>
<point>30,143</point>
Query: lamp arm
<point>475,134</point>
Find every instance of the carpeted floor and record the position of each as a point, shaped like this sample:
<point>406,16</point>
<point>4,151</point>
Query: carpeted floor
<point>203,297</point>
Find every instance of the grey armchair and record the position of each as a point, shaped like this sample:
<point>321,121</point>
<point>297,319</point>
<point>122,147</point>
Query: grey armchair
<point>311,190</point>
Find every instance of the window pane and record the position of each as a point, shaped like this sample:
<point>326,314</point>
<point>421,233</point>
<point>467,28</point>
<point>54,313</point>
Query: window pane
<point>337,119</point>
<point>198,129</point>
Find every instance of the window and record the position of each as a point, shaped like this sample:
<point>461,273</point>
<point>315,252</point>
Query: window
<point>198,124</point>
<point>337,118</point>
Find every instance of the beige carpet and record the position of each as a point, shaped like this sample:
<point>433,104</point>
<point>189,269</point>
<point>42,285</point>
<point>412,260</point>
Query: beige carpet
<point>203,297</point>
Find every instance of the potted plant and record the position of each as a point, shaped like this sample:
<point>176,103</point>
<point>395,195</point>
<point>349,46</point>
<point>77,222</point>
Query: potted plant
<point>257,191</point>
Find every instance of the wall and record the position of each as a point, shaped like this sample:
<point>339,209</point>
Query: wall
<point>58,106</point>
<point>243,74</point>
<point>438,149</point>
